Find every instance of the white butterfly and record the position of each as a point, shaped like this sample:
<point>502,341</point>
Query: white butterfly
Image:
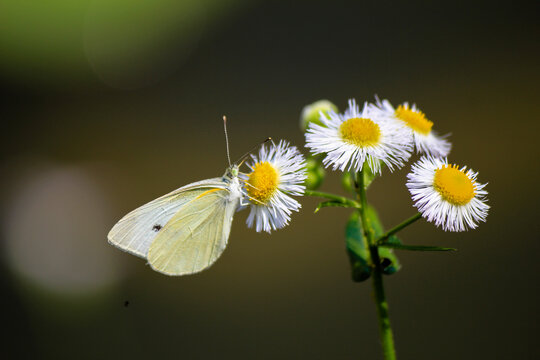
<point>185,231</point>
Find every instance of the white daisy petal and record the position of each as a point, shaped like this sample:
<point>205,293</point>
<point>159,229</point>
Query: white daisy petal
<point>277,172</point>
<point>446,195</point>
<point>358,136</point>
<point>425,140</point>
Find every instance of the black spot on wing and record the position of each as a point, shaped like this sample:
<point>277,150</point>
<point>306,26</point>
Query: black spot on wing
<point>157,227</point>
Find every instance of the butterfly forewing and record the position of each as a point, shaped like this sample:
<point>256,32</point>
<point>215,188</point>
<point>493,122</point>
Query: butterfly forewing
<point>195,236</point>
<point>137,230</point>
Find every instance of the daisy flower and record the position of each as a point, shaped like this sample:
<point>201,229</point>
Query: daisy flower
<point>425,139</point>
<point>276,173</point>
<point>356,137</point>
<point>447,195</point>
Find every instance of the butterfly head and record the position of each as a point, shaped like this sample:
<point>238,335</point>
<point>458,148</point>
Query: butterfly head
<point>231,172</point>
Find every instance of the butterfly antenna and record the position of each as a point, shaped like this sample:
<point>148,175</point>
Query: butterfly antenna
<point>226,138</point>
<point>244,157</point>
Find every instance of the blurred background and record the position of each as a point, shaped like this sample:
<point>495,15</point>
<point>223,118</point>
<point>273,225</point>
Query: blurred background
<point>108,104</point>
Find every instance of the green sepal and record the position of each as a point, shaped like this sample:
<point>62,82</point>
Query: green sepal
<point>349,180</point>
<point>369,176</point>
<point>389,245</point>
<point>330,203</point>
<point>357,249</point>
<point>389,261</point>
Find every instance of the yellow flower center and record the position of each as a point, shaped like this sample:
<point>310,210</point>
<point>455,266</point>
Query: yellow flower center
<point>416,120</point>
<point>454,185</point>
<point>360,132</point>
<point>262,183</point>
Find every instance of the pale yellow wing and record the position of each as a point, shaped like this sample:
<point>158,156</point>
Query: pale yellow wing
<point>196,236</point>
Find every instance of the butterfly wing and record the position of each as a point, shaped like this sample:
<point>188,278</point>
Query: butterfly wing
<point>196,236</point>
<point>135,232</point>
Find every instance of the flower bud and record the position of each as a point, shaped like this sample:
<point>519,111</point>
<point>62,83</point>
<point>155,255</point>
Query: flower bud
<point>347,181</point>
<point>311,113</point>
<point>315,173</point>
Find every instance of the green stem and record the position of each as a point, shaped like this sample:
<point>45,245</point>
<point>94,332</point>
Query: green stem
<point>387,337</point>
<point>385,328</point>
<point>398,227</point>
<point>341,199</point>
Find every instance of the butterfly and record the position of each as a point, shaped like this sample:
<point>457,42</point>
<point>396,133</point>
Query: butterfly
<point>185,231</point>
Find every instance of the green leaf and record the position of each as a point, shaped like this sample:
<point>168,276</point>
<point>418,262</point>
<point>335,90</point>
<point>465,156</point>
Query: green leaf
<point>373,221</point>
<point>357,248</point>
<point>330,203</point>
<point>414,247</point>
<point>390,262</point>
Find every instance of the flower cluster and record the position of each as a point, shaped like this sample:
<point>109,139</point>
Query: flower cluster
<point>372,137</point>
<point>381,134</point>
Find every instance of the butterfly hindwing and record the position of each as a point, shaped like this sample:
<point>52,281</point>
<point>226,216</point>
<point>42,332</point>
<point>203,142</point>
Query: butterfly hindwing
<point>195,236</point>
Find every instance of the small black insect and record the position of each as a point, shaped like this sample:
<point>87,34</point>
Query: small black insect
<point>157,227</point>
<point>126,303</point>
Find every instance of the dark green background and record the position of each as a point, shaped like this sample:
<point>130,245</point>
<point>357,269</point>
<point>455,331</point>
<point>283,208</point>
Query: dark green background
<point>130,98</point>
